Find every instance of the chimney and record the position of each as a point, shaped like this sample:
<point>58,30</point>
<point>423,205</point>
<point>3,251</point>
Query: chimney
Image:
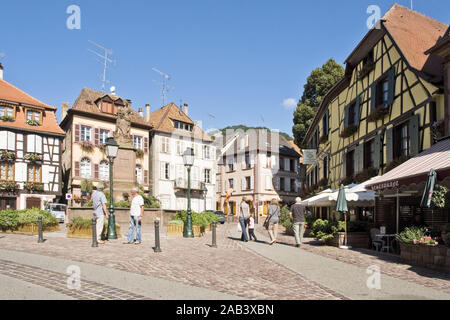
<point>186,109</point>
<point>147,112</point>
<point>65,109</point>
<point>141,112</point>
<point>1,71</point>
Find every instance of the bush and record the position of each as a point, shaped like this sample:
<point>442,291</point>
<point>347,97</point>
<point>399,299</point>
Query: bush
<point>80,223</point>
<point>324,230</point>
<point>176,222</point>
<point>309,219</point>
<point>198,219</point>
<point>12,219</point>
<point>410,234</point>
<point>285,219</point>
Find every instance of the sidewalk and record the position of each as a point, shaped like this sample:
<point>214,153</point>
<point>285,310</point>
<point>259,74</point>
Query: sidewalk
<point>345,278</point>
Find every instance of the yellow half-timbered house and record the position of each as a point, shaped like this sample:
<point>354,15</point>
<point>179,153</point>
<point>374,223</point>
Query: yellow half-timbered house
<point>388,107</point>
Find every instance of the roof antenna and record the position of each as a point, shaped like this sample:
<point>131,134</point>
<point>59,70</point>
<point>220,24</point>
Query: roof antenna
<point>412,5</point>
<point>104,61</point>
<point>164,88</point>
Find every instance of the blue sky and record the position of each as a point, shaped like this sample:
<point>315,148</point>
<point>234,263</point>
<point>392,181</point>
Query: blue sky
<point>234,62</point>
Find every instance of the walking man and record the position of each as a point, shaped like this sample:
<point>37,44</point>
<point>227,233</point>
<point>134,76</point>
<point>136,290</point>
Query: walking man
<point>136,214</point>
<point>244,213</point>
<point>298,215</point>
<point>100,211</point>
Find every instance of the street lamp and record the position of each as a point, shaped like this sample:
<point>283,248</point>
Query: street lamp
<point>111,152</point>
<point>188,159</point>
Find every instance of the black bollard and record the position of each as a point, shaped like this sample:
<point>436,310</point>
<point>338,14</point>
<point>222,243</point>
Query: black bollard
<point>157,244</point>
<point>214,236</point>
<point>94,233</point>
<point>40,235</point>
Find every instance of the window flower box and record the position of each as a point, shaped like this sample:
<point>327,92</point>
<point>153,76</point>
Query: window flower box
<point>7,118</point>
<point>8,186</point>
<point>365,70</point>
<point>378,114</point>
<point>87,146</point>
<point>33,158</point>
<point>348,131</point>
<point>365,175</point>
<point>33,123</point>
<point>7,156</point>
<point>395,163</point>
<point>33,187</point>
<point>139,153</point>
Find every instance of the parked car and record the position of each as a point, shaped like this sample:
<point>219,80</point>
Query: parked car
<point>57,210</point>
<point>220,214</point>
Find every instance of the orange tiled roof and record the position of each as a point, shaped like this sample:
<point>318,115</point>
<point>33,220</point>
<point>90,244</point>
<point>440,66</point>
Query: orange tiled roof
<point>162,120</point>
<point>414,33</point>
<point>9,93</point>
<point>86,103</point>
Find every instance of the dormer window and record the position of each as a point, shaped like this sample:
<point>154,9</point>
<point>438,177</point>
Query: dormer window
<point>183,126</point>
<point>7,113</point>
<point>34,117</point>
<point>108,106</point>
<point>367,64</point>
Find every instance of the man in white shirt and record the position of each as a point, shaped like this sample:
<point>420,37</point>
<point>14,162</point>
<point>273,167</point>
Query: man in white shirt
<point>136,214</point>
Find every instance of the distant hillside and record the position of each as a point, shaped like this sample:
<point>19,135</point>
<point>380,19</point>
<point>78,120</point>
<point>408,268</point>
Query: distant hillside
<point>245,128</point>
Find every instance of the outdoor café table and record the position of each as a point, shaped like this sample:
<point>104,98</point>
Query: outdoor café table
<point>388,242</point>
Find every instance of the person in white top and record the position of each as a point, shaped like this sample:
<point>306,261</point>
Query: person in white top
<point>136,214</point>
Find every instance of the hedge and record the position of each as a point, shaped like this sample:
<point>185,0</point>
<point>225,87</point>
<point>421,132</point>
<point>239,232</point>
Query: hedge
<point>198,219</point>
<point>13,219</point>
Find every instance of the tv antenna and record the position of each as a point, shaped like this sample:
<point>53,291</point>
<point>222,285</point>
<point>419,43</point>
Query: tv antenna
<point>164,87</point>
<point>105,60</point>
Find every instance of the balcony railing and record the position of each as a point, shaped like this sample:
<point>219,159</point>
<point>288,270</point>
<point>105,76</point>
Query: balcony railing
<point>181,183</point>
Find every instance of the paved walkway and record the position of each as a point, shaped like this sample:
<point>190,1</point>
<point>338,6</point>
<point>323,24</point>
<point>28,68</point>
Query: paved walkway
<point>190,269</point>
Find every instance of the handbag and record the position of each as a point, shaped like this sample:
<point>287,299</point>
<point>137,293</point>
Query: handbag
<point>239,228</point>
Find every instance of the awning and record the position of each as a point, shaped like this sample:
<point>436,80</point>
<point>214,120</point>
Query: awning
<point>416,169</point>
<point>311,201</point>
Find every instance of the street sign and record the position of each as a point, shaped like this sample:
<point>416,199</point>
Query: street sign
<point>309,156</point>
<point>68,196</point>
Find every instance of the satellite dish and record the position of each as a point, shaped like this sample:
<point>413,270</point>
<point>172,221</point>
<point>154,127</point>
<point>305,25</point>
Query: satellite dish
<point>112,89</point>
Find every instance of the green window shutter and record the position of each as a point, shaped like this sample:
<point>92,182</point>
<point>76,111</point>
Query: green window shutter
<point>391,81</point>
<point>414,135</point>
<point>389,145</point>
<point>373,97</point>
<point>327,121</point>
<point>357,106</point>
<point>359,154</point>
<point>346,116</point>
<point>344,164</point>
<point>377,152</point>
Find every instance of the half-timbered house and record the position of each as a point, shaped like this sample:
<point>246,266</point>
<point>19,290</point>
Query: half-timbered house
<point>387,108</point>
<point>30,150</point>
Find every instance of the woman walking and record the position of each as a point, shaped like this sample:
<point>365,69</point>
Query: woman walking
<point>273,215</point>
<point>244,213</point>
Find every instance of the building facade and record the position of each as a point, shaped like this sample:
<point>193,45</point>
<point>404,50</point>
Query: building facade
<point>258,165</point>
<point>87,125</point>
<point>172,134</point>
<point>388,107</point>
<point>30,150</point>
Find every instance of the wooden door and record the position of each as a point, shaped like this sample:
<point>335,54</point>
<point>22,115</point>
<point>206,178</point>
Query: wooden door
<point>33,203</point>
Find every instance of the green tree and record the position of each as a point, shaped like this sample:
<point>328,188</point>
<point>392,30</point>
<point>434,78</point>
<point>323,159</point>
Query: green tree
<point>317,85</point>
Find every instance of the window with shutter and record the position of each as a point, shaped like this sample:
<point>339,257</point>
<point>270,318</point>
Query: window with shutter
<point>373,98</point>
<point>389,145</point>
<point>391,87</point>
<point>413,128</point>
<point>145,176</point>
<point>377,147</point>
<point>145,145</point>
<point>346,116</point>
<point>77,133</point>
<point>96,171</point>
<point>97,136</point>
<point>77,168</point>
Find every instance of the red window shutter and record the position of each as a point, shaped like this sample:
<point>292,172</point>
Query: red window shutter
<point>96,175</point>
<point>77,168</point>
<point>77,133</point>
<point>146,145</point>
<point>97,136</point>
<point>145,176</point>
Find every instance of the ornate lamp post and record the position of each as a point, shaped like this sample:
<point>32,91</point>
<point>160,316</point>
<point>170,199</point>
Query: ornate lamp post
<point>111,152</point>
<point>188,159</point>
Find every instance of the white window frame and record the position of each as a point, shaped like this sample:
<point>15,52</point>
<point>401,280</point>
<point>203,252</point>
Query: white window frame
<point>139,174</point>
<point>137,141</point>
<point>85,168</point>
<point>103,170</point>
<point>103,135</point>
<point>85,133</point>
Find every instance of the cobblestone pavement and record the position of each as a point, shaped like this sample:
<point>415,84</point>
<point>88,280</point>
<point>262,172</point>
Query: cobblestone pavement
<point>231,268</point>
<point>58,282</point>
<point>389,264</point>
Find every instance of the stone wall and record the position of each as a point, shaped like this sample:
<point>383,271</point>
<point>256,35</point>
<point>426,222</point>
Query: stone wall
<point>123,215</point>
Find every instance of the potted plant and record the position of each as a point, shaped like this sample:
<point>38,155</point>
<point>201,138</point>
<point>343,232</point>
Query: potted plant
<point>9,186</point>
<point>377,114</point>
<point>7,156</point>
<point>32,187</point>
<point>87,146</point>
<point>33,123</point>
<point>33,158</point>
<point>7,118</point>
<point>139,153</point>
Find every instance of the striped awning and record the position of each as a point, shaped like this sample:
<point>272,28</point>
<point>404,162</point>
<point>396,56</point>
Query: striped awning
<point>437,157</point>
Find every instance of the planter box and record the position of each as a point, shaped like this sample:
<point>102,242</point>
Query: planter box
<point>86,233</point>
<point>355,239</point>
<point>32,229</point>
<point>436,257</point>
<point>177,230</point>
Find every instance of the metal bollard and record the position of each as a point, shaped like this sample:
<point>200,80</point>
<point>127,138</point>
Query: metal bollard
<point>40,235</point>
<point>157,244</point>
<point>214,236</point>
<point>94,233</point>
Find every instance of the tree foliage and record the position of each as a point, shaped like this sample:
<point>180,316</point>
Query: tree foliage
<point>318,83</point>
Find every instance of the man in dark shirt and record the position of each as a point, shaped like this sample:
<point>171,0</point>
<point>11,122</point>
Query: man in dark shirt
<point>298,215</point>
